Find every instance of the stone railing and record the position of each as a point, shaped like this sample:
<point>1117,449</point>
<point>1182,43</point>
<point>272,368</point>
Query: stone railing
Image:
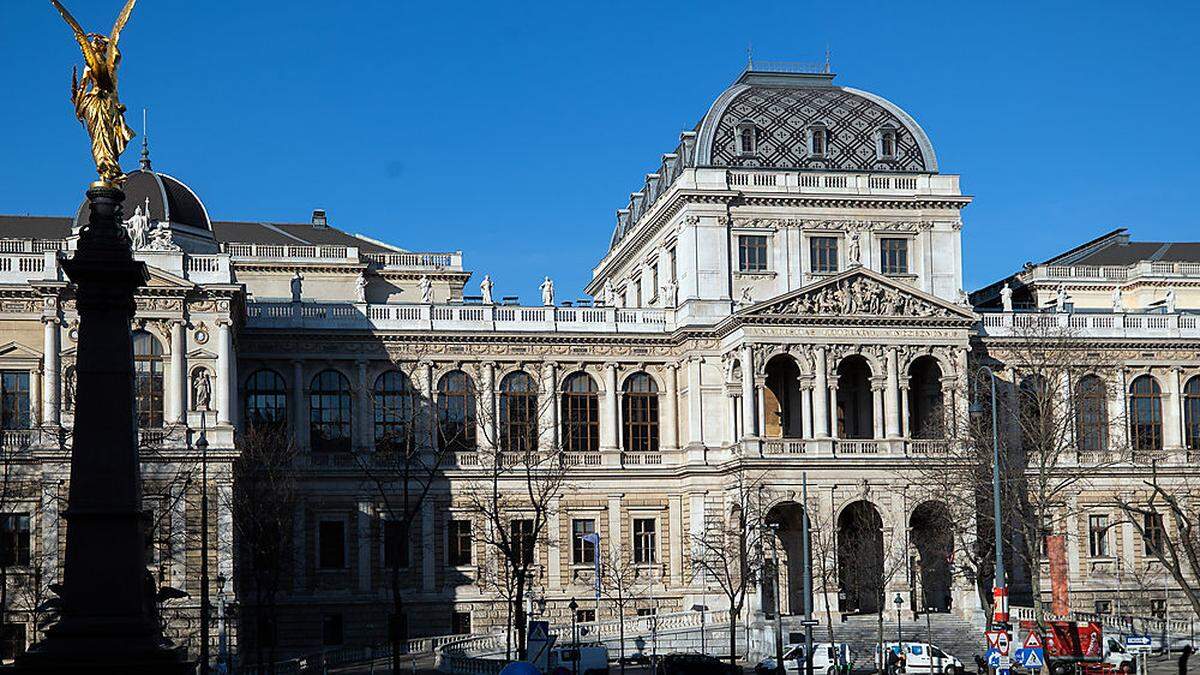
<point>20,268</point>
<point>18,439</point>
<point>416,260</point>
<point>915,447</point>
<point>31,245</point>
<point>420,317</point>
<point>783,446</point>
<point>1120,624</point>
<point>342,254</point>
<point>842,183</point>
<point>842,446</point>
<point>1141,269</point>
<point>320,662</point>
<point>1089,324</point>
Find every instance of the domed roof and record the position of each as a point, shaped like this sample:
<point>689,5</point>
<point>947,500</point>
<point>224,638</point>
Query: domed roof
<point>169,198</point>
<point>784,106</point>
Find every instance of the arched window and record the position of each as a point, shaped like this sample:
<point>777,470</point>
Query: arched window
<point>1191,413</point>
<point>1145,414</point>
<point>148,379</point>
<point>266,399</point>
<point>817,136</point>
<point>456,411</point>
<point>926,414</point>
<point>395,409</point>
<point>518,413</point>
<point>329,412</point>
<point>580,414</point>
<point>855,411</point>
<point>639,405</point>
<point>1091,414</point>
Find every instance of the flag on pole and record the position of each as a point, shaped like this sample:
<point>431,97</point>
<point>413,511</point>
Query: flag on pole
<point>594,538</point>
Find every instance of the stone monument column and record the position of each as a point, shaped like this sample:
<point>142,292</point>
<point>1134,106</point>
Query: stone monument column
<point>225,385</point>
<point>179,378</point>
<point>50,369</point>
<point>109,621</point>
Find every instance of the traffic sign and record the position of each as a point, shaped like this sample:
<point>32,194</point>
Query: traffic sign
<point>539,630</point>
<point>1139,644</point>
<point>1033,641</point>
<point>993,658</point>
<point>1002,643</point>
<point>1032,659</point>
<point>810,622</point>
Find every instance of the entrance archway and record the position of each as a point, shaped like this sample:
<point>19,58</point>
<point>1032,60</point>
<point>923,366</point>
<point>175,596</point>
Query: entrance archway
<point>789,519</point>
<point>933,537</point>
<point>854,405</point>
<point>860,558</point>
<point>926,418</point>
<point>781,399</point>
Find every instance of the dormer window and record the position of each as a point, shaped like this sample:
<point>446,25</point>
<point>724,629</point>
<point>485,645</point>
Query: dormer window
<point>885,142</point>
<point>747,139</point>
<point>818,137</point>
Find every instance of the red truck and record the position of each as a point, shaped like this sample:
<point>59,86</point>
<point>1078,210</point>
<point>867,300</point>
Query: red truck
<point>1081,645</point>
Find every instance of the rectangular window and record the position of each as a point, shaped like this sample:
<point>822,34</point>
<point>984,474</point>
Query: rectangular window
<point>1152,539</point>
<point>1158,608</point>
<point>816,141</point>
<point>1098,536</point>
<point>654,281</point>
<point>332,630</point>
<point>460,623</point>
<point>1104,606</point>
<point>14,399</point>
<point>752,253</point>
<point>637,293</point>
<point>585,615</point>
<point>647,611</point>
<point>12,641</point>
<point>331,545</point>
<point>14,537</point>
<point>395,545</point>
<point>583,552</point>
<point>521,531</point>
<point>644,545</point>
<point>266,631</point>
<point>893,256</point>
<point>671,255</point>
<point>823,254</point>
<point>459,544</point>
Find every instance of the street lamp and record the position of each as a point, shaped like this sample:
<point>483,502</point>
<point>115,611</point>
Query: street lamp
<point>1000,592</point>
<point>205,618</point>
<point>898,601</point>
<point>702,609</point>
<point>574,635</point>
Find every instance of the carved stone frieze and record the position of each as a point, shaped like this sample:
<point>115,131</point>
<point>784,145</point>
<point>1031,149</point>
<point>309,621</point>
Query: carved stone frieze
<point>859,295</point>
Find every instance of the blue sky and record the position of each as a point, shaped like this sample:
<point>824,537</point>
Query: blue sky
<point>512,131</point>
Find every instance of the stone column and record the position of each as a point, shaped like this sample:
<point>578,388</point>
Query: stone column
<point>878,386</point>
<point>299,405</point>
<point>890,404</point>
<point>553,546</point>
<point>428,564</point>
<point>1172,434</point>
<point>549,418</point>
<point>749,397</point>
<point>428,420</point>
<point>225,391</point>
<point>50,371</point>
<point>1123,439</point>
<point>669,425</point>
<point>49,517</point>
<point>608,413</point>
<point>696,531</point>
<point>179,378</point>
<point>820,393</point>
<point>806,405</point>
<point>904,430</point>
<point>675,536</point>
<point>695,402</point>
<point>615,536</point>
<point>833,392</point>
<point>364,545</point>
<point>362,422</point>
<point>486,417</point>
<point>35,397</point>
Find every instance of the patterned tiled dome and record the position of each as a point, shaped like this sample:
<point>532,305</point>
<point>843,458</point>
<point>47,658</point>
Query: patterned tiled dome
<point>783,107</point>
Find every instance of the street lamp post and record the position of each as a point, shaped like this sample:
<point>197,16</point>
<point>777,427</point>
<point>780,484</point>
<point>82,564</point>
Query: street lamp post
<point>205,615</point>
<point>898,601</point>
<point>773,533</point>
<point>574,635</point>
<point>702,609</point>
<point>1000,592</point>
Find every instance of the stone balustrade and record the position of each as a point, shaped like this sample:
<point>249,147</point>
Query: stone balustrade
<point>343,254</point>
<point>441,317</point>
<point>1141,269</point>
<point>1086,325</point>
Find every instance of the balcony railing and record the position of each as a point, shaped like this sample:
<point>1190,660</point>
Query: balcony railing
<point>1090,324</point>
<point>1144,268</point>
<point>328,316</point>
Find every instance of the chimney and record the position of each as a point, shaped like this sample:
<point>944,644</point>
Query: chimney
<point>318,218</point>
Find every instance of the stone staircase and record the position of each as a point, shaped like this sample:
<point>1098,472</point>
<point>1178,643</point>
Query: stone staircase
<point>955,635</point>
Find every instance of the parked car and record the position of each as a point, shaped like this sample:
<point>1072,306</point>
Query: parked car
<point>827,657</point>
<point>921,657</point>
<point>1116,656</point>
<point>694,664</point>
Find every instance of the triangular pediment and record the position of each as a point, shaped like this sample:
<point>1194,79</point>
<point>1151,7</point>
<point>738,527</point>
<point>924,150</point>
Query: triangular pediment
<point>201,354</point>
<point>858,292</point>
<point>163,279</point>
<point>14,350</point>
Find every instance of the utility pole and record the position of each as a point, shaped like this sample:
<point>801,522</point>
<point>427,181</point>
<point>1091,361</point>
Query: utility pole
<point>806,555</point>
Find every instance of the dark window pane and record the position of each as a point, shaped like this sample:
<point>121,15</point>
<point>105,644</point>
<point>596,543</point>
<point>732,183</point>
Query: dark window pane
<point>644,546</point>
<point>752,253</point>
<point>521,533</point>
<point>395,545</point>
<point>582,551</point>
<point>148,379</point>
<point>823,254</point>
<point>331,539</point>
<point>893,256</point>
<point>1145,414</point>
<point>456,411</point>
<point>580,414</point>
<point>266,399</point>
<point>14,539</point>
<point>518,413</point>
<point>332,630</point>
<point>459,542</point>
<point>329,413</point>
<point>640,414</point>
<point>395,407</point>
<point>14,400</point>
<point>1091,414</point>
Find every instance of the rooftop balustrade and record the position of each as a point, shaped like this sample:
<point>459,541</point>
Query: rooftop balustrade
<point>1141,269</point>
<point>451,317</point>
<point>1090,324</point>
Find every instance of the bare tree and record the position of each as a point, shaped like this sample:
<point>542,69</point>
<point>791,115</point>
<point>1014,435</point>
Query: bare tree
<point>1166,513</point>
<point>406,462</point>
<point>729,552</point>
<point>521,472</point>
<point>263,501</point>
<point>623,582</point>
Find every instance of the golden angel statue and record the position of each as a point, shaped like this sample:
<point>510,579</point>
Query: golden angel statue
<point>95,95</point>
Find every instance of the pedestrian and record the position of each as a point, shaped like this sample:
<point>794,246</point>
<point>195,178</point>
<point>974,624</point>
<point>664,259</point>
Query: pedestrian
<point>1188,650</point>
<point>981,666</point>
<point>891,662</point>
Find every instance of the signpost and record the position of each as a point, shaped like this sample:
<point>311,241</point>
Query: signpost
<point>539,642</point>
<point>1032,655</point>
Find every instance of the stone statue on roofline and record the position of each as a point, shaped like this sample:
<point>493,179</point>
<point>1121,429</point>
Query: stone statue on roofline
<point>426,290</point>
<point>1006,294</point>
<point>360,287</point>
<point>1060,299</point>
<point>610,293</point>
<point>485,289</point>
<point>1169,301</point>
<point>547,288</point>
<point>1117,304</point>
<point>297,286</point>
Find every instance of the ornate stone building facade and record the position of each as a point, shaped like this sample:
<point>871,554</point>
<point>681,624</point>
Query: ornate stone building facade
<point>782,302</point>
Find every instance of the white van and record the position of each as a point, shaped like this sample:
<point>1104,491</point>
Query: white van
<point>593,659</point>
<point>826,658</point>
<point>922,657</point>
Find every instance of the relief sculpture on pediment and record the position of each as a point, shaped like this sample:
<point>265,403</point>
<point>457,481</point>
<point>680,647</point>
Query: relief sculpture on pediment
<point>860,296</point>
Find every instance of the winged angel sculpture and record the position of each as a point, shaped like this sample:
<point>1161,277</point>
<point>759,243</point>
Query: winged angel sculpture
<point>95,95</point>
